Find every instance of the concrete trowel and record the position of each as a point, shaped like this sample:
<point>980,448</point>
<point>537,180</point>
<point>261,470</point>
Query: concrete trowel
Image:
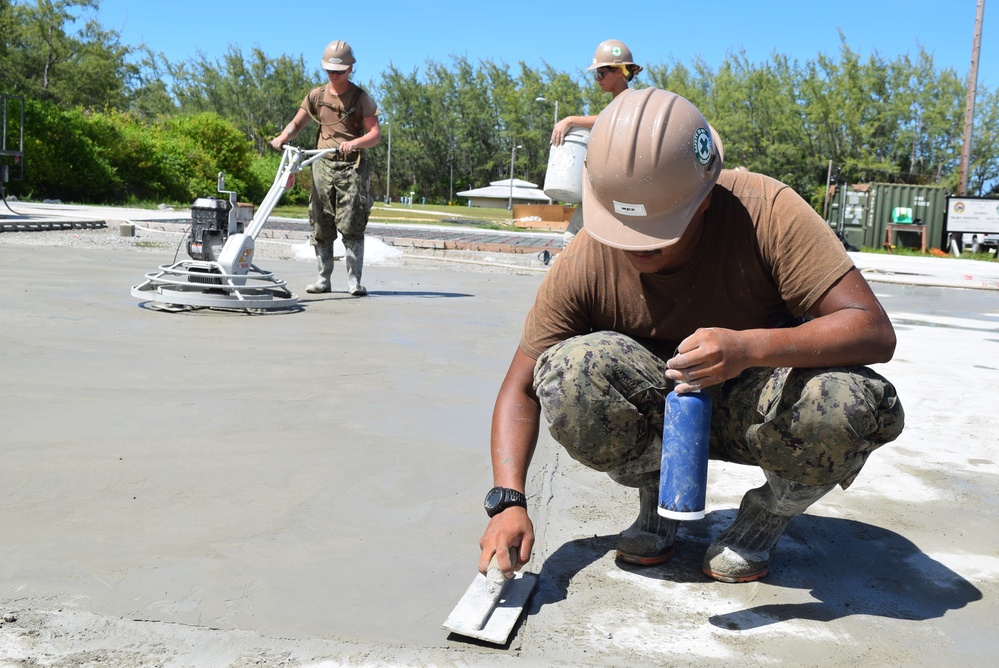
<point>491,606</point>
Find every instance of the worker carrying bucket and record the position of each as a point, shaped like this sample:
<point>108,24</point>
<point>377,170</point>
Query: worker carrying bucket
<point>564,178</point>
<point>692,278</point>
<point>613,68</point>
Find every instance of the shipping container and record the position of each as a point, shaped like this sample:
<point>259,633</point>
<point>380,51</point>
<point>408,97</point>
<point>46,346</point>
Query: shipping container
<point>861,214</point>
<point>848,216</point>
<point>928,206</point>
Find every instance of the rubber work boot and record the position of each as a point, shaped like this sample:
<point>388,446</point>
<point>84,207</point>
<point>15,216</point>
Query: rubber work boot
<point>324,259</point>
<point>743,552</point>
<point>355,264</point>
<point>651,539</point>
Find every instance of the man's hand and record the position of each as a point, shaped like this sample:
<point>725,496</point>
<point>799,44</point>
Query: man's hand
<point>510,534</point>
<point>708,357</point>
<point>848,328</point>
<point>560,130</point>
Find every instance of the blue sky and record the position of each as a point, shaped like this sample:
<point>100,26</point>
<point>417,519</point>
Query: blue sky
<point>408,34</point>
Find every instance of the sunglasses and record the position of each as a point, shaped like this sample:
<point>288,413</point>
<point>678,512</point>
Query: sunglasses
<point>601,72</point>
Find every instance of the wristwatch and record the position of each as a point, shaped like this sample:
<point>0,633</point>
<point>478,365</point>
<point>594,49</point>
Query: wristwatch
<point>500,498</point>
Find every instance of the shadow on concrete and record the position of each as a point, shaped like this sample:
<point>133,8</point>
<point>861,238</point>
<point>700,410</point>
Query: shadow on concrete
<point>854,568</point>
<point>386,293</point>
<point>564,564</point>
<point>850,567</point>
<point>175,309</point>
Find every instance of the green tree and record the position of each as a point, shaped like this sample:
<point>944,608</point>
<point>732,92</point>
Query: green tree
<point>477,140</point>
<point>220,147</point>
<point>149,96</point>
<point>453,125</point>
<point>754,107</point>
<point>87,68</point>
<point>63,158</point>
<point>259,94</point>
<point>983,176</point>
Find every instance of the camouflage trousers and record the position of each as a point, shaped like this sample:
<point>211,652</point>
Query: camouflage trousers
<point>603,396</point>
<point>339,201</point>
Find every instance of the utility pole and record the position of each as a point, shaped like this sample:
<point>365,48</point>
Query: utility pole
<point>969,109</point>
<point>388,169</point>
<point>825,207</point>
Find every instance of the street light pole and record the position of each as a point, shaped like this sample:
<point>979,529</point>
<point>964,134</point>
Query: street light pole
<point>513,155</point>
<point>544,99</point>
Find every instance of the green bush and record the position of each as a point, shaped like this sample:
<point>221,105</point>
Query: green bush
<point>215,145</point>
<point>265,167</point>
<point>153,166</point>
<point>63,157</point>
<point>115,157</point>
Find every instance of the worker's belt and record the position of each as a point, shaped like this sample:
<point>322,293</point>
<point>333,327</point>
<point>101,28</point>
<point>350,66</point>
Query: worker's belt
<point>353,156</point>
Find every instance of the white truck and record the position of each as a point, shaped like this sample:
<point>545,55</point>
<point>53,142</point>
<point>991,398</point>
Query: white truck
<point>973,222</point>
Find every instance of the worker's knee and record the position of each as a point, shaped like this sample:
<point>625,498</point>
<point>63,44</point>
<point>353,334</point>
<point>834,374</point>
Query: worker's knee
<point>602,395</point>
<point>821,424</point>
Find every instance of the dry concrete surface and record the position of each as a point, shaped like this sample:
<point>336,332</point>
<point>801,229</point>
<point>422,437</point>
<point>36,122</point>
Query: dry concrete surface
<point>224,489</point>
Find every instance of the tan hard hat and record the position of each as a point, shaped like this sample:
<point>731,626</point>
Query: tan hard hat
<point>611,52</point>
<point>651,161</point>
<point>338,56</point>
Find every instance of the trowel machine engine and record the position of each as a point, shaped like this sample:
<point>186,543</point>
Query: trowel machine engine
<point>221,273</point>
<point>213,220</point>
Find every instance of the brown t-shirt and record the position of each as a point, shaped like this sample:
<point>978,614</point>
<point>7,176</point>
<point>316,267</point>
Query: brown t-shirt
<point>340,118</point>
<point>763,259</point>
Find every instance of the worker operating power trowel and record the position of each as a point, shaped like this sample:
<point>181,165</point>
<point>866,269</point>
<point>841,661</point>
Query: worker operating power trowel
<point>221,273</point>
<point>339,202</point>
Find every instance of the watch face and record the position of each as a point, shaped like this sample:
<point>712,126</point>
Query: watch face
<point>494,497</point>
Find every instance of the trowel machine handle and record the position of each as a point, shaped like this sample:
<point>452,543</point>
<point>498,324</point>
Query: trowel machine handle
<point>236,256</point>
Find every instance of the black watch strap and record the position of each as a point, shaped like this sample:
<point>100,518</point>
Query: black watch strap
<point>499,499</point>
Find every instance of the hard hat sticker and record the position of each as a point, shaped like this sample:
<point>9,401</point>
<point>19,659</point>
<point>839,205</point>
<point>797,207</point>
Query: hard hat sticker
<point>615,51</point>
<point>702,146</point>
<point>627,209</point>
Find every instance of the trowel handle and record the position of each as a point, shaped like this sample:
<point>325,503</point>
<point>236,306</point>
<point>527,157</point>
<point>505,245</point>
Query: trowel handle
<point>493,571</point>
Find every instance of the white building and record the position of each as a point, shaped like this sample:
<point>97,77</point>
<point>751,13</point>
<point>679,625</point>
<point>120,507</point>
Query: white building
<point>497,194</point>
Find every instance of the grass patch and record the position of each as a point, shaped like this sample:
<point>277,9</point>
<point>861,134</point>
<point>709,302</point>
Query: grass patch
<point>914,252</point>
<point>430,214</point>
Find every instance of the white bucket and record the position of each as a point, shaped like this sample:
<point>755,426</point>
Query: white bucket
<point>564,178</point>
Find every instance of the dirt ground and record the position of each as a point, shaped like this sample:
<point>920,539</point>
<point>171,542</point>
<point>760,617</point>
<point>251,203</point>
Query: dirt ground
<point>304,489</point>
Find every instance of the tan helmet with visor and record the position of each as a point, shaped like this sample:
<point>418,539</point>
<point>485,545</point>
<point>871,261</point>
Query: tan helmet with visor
<point>611,52</point>
<point>338,56</point>
<point>650,162</point>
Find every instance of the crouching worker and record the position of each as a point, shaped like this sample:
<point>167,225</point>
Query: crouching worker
<point>691,277</point>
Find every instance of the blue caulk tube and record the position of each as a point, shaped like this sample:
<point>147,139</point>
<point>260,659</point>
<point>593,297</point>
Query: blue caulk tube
<point>683,477</point>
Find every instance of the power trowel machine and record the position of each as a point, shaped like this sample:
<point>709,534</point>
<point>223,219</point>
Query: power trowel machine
<point>221,273</point>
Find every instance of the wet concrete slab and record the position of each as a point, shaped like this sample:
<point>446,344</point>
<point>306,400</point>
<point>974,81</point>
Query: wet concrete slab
<point>310,473</point>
